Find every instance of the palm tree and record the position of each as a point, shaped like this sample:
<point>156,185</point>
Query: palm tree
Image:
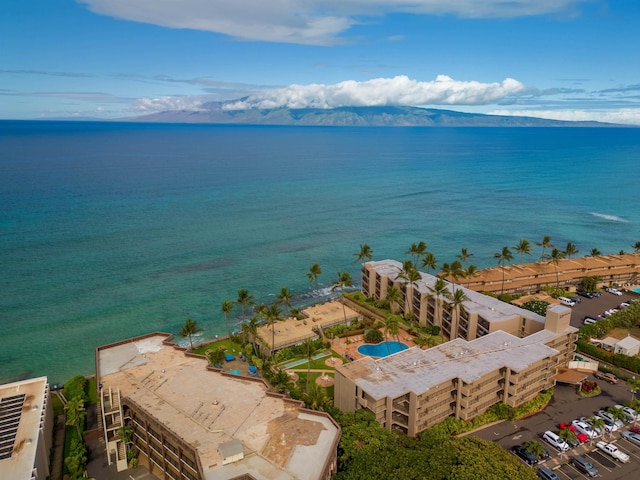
<point>595,252</point>
<point>189,329</point>
<point>470,272</point>
<point>454,271</point>
<point>464,255</point>
<point>365,253</point>
<point>429,261</point>
<point>545,243</point>
<point>439,291</point>
<point>391,325</point>
<point>622,252</point>
<point>523,248</point>
<point>394,296</point>
<point>417,250</point>
<point>568,436</point>
<point>216,357</point>
<point>309,349</point>
<point>571,249</point>
<point>75,413</point>
<point>251,329</point>
<point>284,298</point>
<point>504,256</point>
<point>534,447</point>
<point>617,413</point>
<point>634,386</point>
<point>456,306</point>
<point>636,247</point>
<point>344,281</point>
<point>315,397</point>
<point>245,299</point>
<point>227,308</point>
<point>314,272</point>
<point>273,315</point>
<point>409,275</point>
<point>555,257</point>
<point>597,424</point>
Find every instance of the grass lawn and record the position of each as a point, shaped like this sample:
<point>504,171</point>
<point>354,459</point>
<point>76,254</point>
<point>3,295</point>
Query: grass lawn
<point>230,346</point>
<point>58,408</point>
<point>302,382</point>
<point>91,391</point>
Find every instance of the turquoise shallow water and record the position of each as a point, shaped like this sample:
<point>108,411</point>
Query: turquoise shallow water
<point>113,230</point>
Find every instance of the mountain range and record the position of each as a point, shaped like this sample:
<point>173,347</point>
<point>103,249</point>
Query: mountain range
<point>386,116</point>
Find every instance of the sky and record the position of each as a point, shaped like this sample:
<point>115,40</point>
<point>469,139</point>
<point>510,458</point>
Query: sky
<point>109,59</point>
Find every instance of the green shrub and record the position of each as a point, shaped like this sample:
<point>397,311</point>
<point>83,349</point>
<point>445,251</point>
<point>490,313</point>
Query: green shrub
<point>373,336</point>
<point>76,387</point>
<point>536,306</point>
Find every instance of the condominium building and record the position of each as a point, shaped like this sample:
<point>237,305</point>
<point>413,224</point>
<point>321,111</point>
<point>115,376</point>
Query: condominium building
<point>478,314</point>
<point>26,429</point>
<point>415,389</point>
<point>566,273</point>
<point>498,353</point>
<point>190,421</point>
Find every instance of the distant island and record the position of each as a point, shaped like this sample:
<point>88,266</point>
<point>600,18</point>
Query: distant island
<point>388,116</point>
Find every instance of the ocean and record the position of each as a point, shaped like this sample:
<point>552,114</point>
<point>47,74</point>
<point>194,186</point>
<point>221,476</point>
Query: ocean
<point>112,230</point>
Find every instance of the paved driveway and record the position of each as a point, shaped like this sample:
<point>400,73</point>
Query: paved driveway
<point>565,406</point>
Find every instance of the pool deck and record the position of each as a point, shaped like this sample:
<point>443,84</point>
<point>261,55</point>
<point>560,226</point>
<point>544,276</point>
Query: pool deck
<point>350,351</point>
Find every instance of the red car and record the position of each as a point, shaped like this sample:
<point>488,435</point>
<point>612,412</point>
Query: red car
<point>583,437</point>
<point>635,429</point>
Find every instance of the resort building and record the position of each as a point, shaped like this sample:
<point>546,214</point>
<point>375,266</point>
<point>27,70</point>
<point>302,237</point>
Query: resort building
<point>567,274</point>
<point>190,421</point>
<point>26,429</point>
<point>415,389</point>
<point>479,314</point>
<point>497,353</point>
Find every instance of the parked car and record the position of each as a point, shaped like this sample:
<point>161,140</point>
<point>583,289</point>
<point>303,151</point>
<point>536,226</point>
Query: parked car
<point>555,441</point>
<point>606,376</point>
<point>584,466</point>
<point>607,416</point>
<point>581,436</point>
<point>629,412</point>
<point>632,437</point>
<point>584,294</point>
<point>526,456</point>
<point>613,290</point>
<point>585,428</point>
<point>575,299</point>
<point>547,474</point>
<point>613,451</point>
<point>622,305</point>
<point>588,320</point>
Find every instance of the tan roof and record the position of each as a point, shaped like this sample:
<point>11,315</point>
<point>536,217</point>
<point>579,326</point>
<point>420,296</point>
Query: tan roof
<point>208,409</point>
<point>21,406</point>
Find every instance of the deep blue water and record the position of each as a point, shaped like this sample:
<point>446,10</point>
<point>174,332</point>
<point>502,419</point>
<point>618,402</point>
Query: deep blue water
<point>113,230</point>
<point>382,349</point>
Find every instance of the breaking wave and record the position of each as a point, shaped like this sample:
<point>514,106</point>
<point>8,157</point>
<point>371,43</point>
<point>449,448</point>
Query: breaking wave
<point>611,218</point>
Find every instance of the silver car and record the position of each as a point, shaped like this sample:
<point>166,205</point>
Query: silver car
<point>632,437</point>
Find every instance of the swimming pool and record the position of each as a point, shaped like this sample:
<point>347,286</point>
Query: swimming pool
<point>381,349</point>
<point>637,290</point>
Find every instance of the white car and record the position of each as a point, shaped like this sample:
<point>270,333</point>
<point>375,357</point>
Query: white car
<point>585,428</point>
<point>613,451</point>
<point>607,417</point>
<point>629,412</point>
<point>632,437</point>
<point>615,291</point>
<point>609,426</point>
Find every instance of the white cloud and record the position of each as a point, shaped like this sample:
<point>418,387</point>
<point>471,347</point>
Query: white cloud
<point>160,104</point>
<point>399,90</point>
<point>627,116</point>
<point>312,22</point>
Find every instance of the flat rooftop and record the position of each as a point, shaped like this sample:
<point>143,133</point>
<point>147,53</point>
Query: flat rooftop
<point>416,370</point>
<point>207,408</point>
<point>21,408</point>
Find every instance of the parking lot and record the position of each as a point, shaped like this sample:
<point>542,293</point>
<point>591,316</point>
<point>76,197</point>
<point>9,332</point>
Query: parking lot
<point>566,406</point>
<point>596,306</point>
